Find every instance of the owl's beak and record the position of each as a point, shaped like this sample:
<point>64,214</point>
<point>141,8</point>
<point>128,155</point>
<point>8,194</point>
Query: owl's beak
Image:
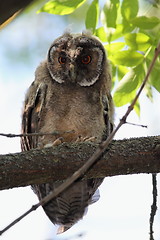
<point>72,73</point>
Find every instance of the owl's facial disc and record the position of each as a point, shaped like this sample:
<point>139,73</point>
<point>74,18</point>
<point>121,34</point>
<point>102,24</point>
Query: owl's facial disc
<point>76,60</point>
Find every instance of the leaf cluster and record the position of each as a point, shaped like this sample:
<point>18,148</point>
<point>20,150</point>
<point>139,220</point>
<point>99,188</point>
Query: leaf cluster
<point>129,36</point>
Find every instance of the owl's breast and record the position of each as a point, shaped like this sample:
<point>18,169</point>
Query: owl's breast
<point>74,116</point>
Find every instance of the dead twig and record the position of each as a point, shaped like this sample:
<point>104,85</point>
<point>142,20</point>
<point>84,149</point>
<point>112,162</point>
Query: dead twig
<point>137,125</point>
<point>55,133</point>
<point>154,205</point>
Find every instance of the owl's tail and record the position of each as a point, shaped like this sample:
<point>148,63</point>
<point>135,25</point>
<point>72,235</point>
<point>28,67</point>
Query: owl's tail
<point>62,229</point>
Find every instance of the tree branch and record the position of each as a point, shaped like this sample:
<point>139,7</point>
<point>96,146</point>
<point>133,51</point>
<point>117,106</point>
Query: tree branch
<point>129,156</point>
<point>10,7</point>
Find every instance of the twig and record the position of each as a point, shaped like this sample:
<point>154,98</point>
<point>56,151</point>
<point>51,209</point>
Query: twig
<point>10,135</point>
<point>137,125</point>
<point>154,205</point>
<point>102,147</point>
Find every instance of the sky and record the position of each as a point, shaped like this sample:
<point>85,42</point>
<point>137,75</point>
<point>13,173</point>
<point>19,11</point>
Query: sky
<point>124,207</point>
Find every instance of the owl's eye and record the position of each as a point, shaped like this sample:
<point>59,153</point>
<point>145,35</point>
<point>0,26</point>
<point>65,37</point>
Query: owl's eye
<point>62,60</point>
<point>86,59</point>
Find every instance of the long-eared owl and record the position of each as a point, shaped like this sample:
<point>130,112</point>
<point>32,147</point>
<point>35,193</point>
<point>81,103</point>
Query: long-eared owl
<point>70,95</point>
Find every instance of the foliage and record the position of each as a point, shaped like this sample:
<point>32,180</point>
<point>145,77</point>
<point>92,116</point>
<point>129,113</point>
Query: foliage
<point>129,37</point>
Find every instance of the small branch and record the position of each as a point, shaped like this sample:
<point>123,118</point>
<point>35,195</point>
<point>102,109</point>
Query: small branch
<point>55,133</point>
<point>18,219</point>
<point>154,205</point>
<point>97,154</point>
<point>137,125</point>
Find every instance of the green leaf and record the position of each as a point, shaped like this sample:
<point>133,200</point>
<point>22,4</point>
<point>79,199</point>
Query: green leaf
<point>129,9</point>
<point>121,71</point>
<point>137,108</point>
<point>114,47</point>
<point>126,89</point>
<point>61,7</point>
<point>114,75</point>
<point>92,16</point>
<point>127,27</point>
<point>155,76</point>
<point>148,91</point>
<point>110,13</point>
<point>139,72</point>
<point>101,34</point>
<point>145,22</point>
<point>128,58</point>
<point>138,41</point>
<point>117,33</point>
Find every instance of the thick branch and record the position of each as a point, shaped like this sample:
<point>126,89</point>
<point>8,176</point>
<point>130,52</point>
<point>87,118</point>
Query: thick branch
<point>129,156</point>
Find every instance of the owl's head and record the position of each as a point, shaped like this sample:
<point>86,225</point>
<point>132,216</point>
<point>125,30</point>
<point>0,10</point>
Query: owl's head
<point>76,59</point>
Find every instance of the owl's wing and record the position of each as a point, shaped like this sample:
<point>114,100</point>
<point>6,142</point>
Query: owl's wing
<point>33,106</point>
<point>108,114</point>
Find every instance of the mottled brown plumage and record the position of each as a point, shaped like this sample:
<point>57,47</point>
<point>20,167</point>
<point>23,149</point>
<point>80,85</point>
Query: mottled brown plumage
<point>71,95</point>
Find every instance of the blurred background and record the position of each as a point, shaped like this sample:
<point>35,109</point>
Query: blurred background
<point>123,210</point>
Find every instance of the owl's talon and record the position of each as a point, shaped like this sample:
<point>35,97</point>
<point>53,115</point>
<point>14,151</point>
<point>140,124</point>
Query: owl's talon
<point>90,139</point>
<point>85,139</point>
<point>48,145</point>
<point>79,139</point>
<point>58,141</point>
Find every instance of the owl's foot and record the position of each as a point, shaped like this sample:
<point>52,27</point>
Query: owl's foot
<point>86,139</point>
<point>57,142</point>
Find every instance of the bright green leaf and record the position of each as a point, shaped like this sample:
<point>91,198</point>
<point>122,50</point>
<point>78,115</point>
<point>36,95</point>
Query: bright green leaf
<point>120,98</point>
<point>137,108</point>
<point>118,72</point>
<point>127,58</point>
<point>127,27</point>
<point>139,72</point>
<point>116,33</point>
<point>138,41</point>
<point>148,91</point>
<point>92,15</point>
<point>114,75</point>
<point>155,76</point>
<point>128,83</point>
<point>110,13</point>
<point>129,9</point>
<point>61,7</point>
<point>121,71</point>
<point>145,22</point>
<point>126,89</point>
<point>101,34</point>
<point>114,47</point>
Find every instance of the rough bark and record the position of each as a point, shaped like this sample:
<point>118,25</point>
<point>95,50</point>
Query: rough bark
<point>129,156</point>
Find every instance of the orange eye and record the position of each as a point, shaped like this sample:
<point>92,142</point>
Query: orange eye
<point>62,60</point>
<point>86,59</point>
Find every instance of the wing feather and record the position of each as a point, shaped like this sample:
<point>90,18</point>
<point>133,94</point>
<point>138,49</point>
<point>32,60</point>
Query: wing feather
<point>33,106</point>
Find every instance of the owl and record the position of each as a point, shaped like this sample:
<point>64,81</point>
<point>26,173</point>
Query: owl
<point>70,95</point>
